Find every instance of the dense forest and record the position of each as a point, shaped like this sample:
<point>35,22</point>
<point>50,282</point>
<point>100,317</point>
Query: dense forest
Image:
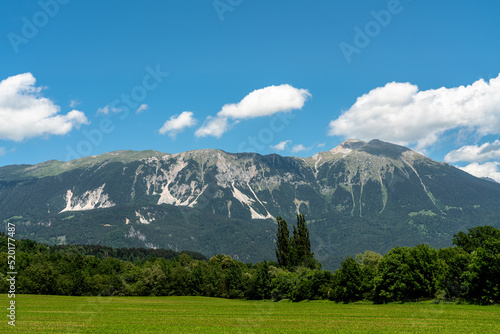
<point>469,271</point>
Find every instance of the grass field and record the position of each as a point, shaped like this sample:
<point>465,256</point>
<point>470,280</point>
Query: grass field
<point>59,314</point>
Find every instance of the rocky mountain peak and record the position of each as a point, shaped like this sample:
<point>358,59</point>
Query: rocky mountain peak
<point>379,148</point>
<point>348,146</point>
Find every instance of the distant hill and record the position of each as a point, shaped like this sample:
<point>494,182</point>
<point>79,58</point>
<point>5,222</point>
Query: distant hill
<point>358,196</point>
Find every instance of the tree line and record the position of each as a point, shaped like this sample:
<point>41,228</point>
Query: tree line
<point>469,271</point>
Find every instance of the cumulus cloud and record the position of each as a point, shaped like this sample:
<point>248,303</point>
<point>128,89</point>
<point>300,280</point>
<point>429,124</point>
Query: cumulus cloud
<point>178,123</point>
<point>281,145</point>
<point>400,113</point>
<point>213,126</point>
<point>475,153</point>
<point>261,102</point>
<point>488,169</point>
<point>25,113</point>
<point>266,101</point>
<point>299,148</point>
<point>143,107</point>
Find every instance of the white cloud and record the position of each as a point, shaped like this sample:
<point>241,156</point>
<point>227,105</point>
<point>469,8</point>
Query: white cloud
<point>266,101</point>
<point>73,103</point>
<point>178,123</point>
<point>213,126</point>
<point>25,113</point>
<point>3,151</point>
<point>142,108</point>
<point>281,145</point>
<point>488,169</point>
<point>261,102</point>
<point>299,148</point>
<point>321,145</point>
<point>108,108</point>
<point>400,113</point>
<point>475,153</point>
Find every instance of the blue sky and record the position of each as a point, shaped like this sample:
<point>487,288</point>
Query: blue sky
<point>290,77</point>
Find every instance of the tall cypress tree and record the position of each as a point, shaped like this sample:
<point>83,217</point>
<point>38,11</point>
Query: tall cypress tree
<point>301,243</point>
<point>296,250</point>
<point>282,243</point>
<point>304,236</point>
<point>295,254</point>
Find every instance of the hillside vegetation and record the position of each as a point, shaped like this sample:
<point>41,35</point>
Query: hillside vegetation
<point>469,271</point>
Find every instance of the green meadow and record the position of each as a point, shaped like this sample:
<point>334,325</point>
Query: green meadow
<point>62,314</point>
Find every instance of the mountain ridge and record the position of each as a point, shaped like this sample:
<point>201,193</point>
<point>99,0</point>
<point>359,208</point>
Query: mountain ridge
<point>344,148</point>
<point>357,196</point>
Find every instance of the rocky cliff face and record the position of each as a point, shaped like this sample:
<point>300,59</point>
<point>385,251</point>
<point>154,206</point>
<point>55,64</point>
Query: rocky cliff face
<point>356,196</point>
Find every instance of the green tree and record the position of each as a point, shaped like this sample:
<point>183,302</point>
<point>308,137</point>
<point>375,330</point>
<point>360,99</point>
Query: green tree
<point>368,262</point>
<point>152,282</point>
<point>407,274</point>
<point>301,245</point>
<point>78,275</point>
<point>311,284</point>
<point>302,289</point>
<point>476,237</point>
<point>369,259</point>
<point>234,280</point>
<point>321,283</point>
<point>284,285</point>
<point>196,279</point>
<point>455,262</point>
<point>482,279</point>
<point>301,254</point>
<point>260,286</point>
<point>294,251</point>
<point>39,278</point>
<point>283,247</point>
<point>348,280</point>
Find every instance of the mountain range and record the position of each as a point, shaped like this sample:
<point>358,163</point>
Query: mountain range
<point>358,196</point>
